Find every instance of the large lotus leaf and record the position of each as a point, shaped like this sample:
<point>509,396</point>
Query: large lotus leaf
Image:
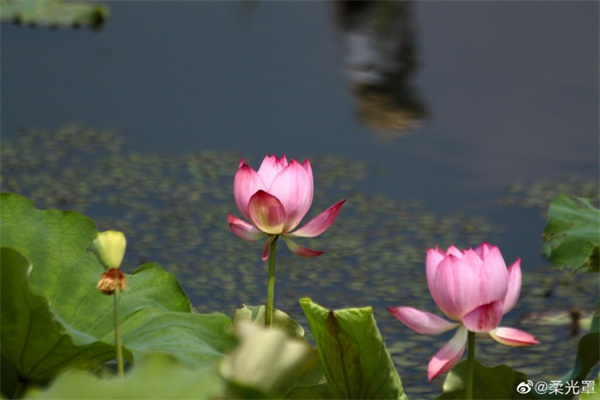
<point>310,384</point>
<point>352,352</point>
<point>156,313</point>
<point>571,237</point>
<point>586,358</point>
<point>52,13</point>
<point>500,382</point>
<point>592,393</point>
<point>34,344</point>
<point>156,376</point>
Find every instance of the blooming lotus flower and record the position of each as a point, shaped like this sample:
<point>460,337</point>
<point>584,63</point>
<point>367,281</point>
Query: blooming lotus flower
<point>275,199</point>
<point>473,287</point>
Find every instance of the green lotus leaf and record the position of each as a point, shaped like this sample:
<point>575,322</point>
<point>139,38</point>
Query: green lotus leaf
<point>53,13</point>
<point>155,376</point>
<point>571,239</point>
<point>156,313</point>
<point>34,343</point>
<point>500,382</point>
<point>353,355</point>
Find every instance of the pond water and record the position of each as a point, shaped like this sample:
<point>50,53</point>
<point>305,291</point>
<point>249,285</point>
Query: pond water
<point>429,117</point>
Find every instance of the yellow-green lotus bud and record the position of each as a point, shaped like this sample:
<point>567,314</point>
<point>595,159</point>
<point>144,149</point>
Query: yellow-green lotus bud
<point>266,359</point>
<point>110,246</point>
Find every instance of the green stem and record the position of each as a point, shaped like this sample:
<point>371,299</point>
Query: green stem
<point>118,344</point>
<point>271,281</point>
<point>470,365</point>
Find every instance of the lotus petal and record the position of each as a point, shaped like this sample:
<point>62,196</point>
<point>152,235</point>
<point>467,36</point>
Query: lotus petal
<point>245,184</point>
<point>299,250</point>
<point>512,337</point>
<point>267,212</point>
<point>243,229</point>
<point>484,318</point>
<point>321,222</point>
<point>493,277</point>
<point>514,286</point>
<point>270,167</point>
<point>293,186</point>
<point>448,355</point>
<point>422,321</point>
<point>267,247</point>
<point>455,287</point>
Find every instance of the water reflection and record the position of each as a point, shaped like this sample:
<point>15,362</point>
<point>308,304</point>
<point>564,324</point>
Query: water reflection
<point>378,40</point>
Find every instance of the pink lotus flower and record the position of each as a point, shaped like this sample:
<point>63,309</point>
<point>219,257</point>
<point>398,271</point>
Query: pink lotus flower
<point>275,199</point>
<point>473,287</point>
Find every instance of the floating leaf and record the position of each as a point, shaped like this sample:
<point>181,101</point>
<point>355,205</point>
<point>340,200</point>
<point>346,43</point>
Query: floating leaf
<point>53,13</point>
<point>354,358</point>
<point>499,382</point>
<point>571,236</point>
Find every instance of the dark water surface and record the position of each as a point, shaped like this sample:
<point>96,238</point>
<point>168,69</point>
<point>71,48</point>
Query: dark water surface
<point>449,104</point>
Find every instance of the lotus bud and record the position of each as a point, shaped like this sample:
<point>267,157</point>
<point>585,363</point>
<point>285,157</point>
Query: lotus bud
<point>110,246</point>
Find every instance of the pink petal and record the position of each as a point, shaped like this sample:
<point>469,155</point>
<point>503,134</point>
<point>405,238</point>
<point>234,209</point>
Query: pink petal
<point>245,184</point>
<point>514,286</point>
<point>421,321</point>
<point>299,250</point>
<point>321,222</point>
<point>434,257</point>
<point>307,168</point>
<point>493,276</point>
<point>293,186</point>
<point>512,337</point>
<point>267,212</point>
<point>483,250</point>
<point>243,229</point>
<point>470,258</point>
<point>454,251</point>
<point>267,247</point>
<point>455,287</point>
<point>448,355</point>
<point>270,167</point>
<point>484,318</point>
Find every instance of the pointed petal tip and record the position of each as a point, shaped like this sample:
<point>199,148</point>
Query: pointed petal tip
<point>299,250</point>
<point>321,222</point>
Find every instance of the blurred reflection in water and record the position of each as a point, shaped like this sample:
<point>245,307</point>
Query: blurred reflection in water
<point>378,39</point>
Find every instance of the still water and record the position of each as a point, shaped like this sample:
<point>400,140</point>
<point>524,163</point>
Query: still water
<point>446,103</point>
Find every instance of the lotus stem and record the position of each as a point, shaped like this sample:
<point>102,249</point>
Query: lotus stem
<point>470,365</point>
<point>118,345</point>
<point>271,282</point>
